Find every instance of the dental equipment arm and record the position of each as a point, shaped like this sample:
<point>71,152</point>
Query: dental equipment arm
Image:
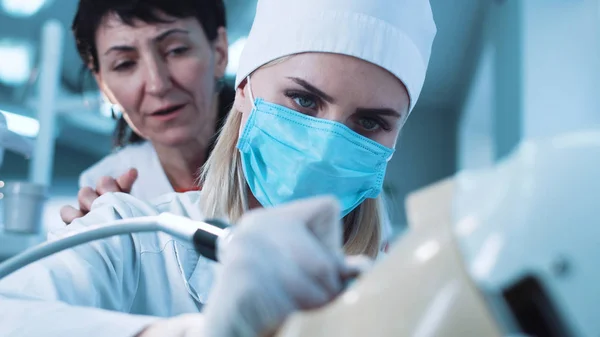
<point>206,237</point>
<point>94,289</point>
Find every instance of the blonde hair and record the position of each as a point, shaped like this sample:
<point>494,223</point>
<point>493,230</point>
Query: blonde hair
<point>224,193</point>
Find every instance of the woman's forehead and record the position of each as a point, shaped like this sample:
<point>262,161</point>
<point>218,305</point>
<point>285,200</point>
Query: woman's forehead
<point>338,74</point>
<point>114,28</point>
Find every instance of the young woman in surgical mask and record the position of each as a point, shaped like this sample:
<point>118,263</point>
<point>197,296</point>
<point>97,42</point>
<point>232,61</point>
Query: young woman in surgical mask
<point>320,113</point>
<point>305,125</point>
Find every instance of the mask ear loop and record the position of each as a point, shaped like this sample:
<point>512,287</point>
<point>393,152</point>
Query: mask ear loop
<point>250,91</point>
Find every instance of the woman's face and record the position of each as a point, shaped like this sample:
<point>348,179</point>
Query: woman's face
<point>366,98</point>
<point>162,76</point>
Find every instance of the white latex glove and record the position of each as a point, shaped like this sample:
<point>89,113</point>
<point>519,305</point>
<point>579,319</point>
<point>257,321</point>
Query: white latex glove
<point>279,260</point>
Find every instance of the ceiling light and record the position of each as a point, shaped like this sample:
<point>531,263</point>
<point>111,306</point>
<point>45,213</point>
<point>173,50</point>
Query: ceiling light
<point>23,8</point>
<point>16,64</point>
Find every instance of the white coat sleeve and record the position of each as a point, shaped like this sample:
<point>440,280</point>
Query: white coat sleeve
<point>79,292</point>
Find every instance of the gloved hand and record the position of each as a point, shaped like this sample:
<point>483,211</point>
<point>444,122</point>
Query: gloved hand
<point>278,261</point>
<point>88,195</point>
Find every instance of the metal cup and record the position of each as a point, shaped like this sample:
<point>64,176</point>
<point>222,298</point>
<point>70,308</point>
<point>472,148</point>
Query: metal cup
<point>23,206</point>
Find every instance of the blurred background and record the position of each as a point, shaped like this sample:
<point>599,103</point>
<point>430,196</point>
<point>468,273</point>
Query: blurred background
<point>501,71</point>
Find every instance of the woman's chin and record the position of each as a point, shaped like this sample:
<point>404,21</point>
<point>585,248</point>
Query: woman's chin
<point>175,137</point>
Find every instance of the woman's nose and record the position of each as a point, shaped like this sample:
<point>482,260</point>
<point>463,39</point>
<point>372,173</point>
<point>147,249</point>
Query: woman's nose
<point>158,78</point>
<point>334,115</point>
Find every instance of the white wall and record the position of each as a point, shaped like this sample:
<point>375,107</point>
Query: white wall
<point>475,147</point>
<point>425,153</point>
<point>539,75</point>
<point>561,66</point>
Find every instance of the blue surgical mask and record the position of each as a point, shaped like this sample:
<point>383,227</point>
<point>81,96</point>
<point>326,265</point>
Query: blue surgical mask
<point>287,155</point>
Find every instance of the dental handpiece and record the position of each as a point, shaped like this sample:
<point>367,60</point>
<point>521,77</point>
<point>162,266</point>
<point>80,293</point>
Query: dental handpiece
<point>209,237</point>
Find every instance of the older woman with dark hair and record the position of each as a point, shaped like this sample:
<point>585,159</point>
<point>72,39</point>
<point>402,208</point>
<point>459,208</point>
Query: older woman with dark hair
<point>161,65</point>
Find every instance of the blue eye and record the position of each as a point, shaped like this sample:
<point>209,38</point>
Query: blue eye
<point>305,102</point>
<point>369,124</point>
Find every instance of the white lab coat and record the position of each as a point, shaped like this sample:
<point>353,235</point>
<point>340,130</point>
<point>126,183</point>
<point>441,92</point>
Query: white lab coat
<point>152,181</point>
<point>125,282</point>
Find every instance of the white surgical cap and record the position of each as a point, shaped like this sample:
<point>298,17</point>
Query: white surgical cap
<point>394,34</point>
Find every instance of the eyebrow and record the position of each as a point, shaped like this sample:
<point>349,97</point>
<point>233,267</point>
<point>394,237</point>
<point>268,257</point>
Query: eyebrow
<point>379,111</point>
<point>166,33</point>
<point>158,38</point>
<point>314,90</point>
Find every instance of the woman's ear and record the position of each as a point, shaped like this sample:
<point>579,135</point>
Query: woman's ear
<point>243,104</point>
<point>106,94</point>
<point>221,50</point>
<point>95,73</point>
<point>242,98</point>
